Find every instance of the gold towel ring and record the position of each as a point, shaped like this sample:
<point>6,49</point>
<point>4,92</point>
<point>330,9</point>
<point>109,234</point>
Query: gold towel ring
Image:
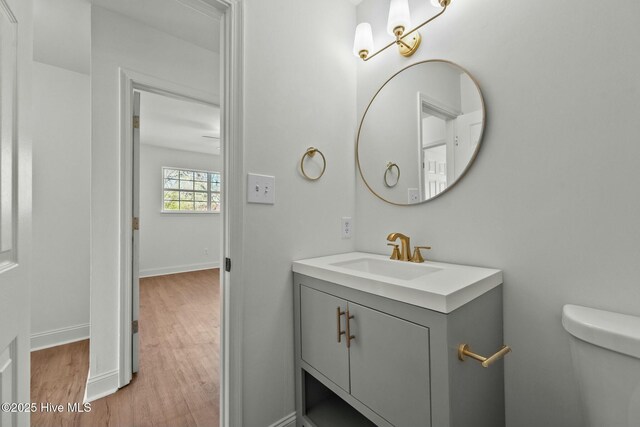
<point>387,170</point>
<point>311,151</point>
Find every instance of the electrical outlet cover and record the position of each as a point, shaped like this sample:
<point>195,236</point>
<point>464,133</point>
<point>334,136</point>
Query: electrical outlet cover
<point>414,195</point>
<point>347,227</point>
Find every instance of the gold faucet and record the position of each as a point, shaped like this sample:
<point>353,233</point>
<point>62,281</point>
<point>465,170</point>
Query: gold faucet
<point>405,245</point>
<point>405,253</point>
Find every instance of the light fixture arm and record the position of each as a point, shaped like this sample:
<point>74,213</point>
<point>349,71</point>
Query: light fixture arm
<point>398,39</point>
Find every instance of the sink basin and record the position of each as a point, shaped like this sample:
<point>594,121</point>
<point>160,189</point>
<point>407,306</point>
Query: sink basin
<point>437,286</point>
<point>394,269</point>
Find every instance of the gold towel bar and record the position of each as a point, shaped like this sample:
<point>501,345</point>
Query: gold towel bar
<point>465,350</point>
<point>311,151</point>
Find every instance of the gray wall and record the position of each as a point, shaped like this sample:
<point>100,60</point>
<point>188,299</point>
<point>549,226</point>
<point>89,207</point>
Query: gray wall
<point>297,93</point>
<point>61,141</point>
<point>552,198</point>
<point>61,169</point>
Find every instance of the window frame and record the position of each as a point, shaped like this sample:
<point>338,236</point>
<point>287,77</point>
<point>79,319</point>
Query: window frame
<point>209,192</point>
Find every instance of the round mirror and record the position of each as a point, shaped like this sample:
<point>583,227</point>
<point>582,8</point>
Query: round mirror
<point>421,132</point>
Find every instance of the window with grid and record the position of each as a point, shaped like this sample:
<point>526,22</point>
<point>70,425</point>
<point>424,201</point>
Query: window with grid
<point>186,190</point>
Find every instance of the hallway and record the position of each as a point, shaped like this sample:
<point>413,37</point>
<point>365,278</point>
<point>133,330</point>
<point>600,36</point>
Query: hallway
<point>178,382</point>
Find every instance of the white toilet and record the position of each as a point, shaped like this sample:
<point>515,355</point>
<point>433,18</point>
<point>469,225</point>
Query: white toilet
<point>605,348</point>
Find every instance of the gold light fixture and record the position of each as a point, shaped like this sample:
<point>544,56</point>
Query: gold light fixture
<point>399,20</point>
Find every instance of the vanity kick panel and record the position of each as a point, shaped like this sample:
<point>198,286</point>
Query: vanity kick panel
<point>320,346</point>
<point>390,367</point>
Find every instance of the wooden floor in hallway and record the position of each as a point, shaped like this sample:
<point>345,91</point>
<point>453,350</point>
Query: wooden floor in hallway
<point>178,382</point>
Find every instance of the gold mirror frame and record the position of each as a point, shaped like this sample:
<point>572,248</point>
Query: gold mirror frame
<point>473,156</point>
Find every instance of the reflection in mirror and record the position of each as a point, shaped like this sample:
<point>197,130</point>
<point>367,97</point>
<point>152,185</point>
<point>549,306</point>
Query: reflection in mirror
<point>391,175</point>
<point>427,120</point>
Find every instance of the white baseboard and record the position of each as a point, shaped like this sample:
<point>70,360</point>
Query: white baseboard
<point>42,340</point>
<point>288,421</point>
<point>150,272</point>
<point>101,385</point>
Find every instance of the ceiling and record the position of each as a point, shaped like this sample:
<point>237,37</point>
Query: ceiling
<point>194,21</point>
<point>179,124</point>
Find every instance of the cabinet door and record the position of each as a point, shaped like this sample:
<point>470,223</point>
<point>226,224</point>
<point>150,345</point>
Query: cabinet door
<point>319,335</point>
<point>390,366</point>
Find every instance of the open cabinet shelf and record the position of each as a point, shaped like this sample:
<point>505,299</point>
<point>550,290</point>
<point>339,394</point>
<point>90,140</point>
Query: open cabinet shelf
<point>324,408</point>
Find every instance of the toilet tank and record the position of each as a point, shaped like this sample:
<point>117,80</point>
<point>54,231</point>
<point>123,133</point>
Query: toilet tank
<point>605,348</point>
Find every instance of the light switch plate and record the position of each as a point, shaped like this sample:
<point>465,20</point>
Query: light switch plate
<point>414,195</point>
<point>261,189</point>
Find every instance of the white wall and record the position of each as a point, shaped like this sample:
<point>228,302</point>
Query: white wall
<point>120,42</point>
<point>553,83</point>
<point>469,99</point>
<point>62,34</point>
<point>297,94</point>
<point>174,242</point>
<point>61,173</point>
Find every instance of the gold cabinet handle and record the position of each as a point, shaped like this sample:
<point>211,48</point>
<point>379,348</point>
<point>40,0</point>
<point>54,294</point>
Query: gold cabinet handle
<point>465,350</point>
<point>349,336</point>
<point>340,333</point>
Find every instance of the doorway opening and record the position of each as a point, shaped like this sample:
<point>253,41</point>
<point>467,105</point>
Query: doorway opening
<point>176,253</point>
<point>437,130</point>
<point>142,46</point>
<point>231,210</point>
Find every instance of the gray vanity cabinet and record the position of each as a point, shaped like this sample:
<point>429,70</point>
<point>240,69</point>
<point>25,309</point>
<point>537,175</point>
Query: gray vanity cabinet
<point>383,349</point>
<point>376,360</point>
<point>320,347</point>
<point>401,369</point>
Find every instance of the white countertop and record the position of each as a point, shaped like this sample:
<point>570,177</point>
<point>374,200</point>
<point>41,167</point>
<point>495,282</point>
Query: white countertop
<point>443,287</point>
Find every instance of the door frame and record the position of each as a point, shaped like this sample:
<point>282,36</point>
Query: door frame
<point>231,121</point>
<point>131,81</point>
<point>139,82</point>
<point>444,112</point>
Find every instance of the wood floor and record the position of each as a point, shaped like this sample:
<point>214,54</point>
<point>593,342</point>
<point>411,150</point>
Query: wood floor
<point>178,382</point>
